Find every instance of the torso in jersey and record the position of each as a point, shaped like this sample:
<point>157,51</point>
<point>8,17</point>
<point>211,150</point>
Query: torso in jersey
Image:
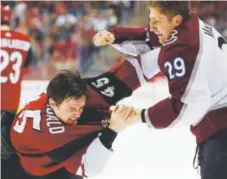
<point>14,53</point>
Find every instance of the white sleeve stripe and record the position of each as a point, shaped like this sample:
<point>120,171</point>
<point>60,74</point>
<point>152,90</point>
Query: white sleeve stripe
<point>179,117</point>
<point>147,119</point>
<point>125,50</point>
<point>149,63</point>
<point>132,48</point>
<point>195,69</point>
<point>218,106</point>
<point>138,69</point>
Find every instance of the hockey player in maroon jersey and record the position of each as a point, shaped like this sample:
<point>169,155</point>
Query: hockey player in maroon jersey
<point>15,57</point>
<point>193,56</point>
<point>68,133</point>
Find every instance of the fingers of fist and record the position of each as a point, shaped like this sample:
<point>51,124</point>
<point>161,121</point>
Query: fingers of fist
<point>126,113</point>
<point>103,38</point>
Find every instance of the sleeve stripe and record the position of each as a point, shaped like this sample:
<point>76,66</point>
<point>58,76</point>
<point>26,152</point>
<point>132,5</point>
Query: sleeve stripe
<point>132,48</point>
<point>219,106</point>
<point>187,94</point>
<point>149,63</point>
<point>138,69</point>
<point>195,69</point>
<point>179,117</point>
<point>147,119</point>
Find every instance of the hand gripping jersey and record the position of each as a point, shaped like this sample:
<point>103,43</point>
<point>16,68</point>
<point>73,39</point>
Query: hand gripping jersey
<point>194,59</point>
<point>15,55</point>
<point>45,144</point>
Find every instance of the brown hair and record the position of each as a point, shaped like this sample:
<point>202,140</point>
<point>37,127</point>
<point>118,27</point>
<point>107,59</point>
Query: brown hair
<point>172,8</point>
<point>65,85</point>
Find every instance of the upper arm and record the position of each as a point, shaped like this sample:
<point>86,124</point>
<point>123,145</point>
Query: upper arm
<point>117,83</point>
<point>122,34</point>
<point>135,34</point>
<point>29,58</point>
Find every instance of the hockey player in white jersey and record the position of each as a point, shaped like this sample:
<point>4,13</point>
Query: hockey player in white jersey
<point>193,57</point>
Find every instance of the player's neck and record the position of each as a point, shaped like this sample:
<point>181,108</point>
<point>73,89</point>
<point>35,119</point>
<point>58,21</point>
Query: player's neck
<point>5,27</point>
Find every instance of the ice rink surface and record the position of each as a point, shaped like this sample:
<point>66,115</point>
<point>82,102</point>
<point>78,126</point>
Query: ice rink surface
<point>140,152</point>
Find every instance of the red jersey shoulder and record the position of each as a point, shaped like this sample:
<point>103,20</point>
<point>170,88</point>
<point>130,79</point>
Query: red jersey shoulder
<point>15,41</point>
<point>37,102</point>
<point>15,35</point>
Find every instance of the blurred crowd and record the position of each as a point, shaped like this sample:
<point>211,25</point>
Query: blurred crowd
<point>61,32</point>
<point>213,13</point>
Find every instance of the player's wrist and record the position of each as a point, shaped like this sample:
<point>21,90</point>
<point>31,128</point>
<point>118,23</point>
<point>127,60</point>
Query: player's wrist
<point>142,115</point>
<point>116,127</point>
<point>107,137</point>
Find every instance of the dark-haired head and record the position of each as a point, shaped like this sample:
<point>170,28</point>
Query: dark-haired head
<point>67,96</point>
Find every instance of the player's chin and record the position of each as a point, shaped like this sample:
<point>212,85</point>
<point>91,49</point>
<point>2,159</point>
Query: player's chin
<point>161,40</point>
<point>71,121</point>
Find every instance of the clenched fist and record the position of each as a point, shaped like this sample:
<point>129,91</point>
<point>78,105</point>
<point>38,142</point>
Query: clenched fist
<point>133,118</point>
<point>103,38</point>
<point>119,116</point>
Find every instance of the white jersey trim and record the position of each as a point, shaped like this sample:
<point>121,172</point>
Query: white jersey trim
<point>149,63</point>
<point>138,69</point>
<point>196,98</point>
<point>203,93</point>
<point>147,119</point>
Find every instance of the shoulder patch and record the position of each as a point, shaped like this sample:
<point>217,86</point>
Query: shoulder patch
<point>172,38</point>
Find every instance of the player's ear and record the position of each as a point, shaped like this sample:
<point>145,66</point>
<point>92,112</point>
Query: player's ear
<point>52,103</point>
<point>177,20</point>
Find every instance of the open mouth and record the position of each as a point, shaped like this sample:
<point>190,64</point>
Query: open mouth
<point>72,120</point>
<point>159,35</point>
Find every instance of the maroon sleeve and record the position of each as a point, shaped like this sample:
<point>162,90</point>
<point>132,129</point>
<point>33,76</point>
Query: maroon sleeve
<point>135,34</point>
<point>163,113</point>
